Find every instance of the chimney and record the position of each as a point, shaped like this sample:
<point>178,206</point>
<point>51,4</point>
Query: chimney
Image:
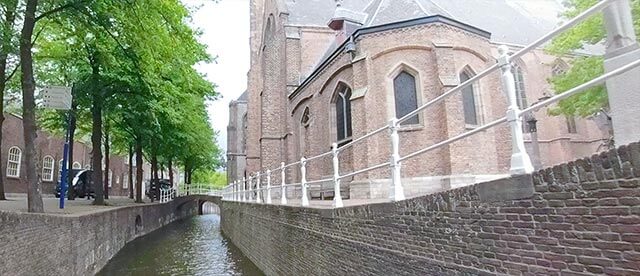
<point>345,22</point>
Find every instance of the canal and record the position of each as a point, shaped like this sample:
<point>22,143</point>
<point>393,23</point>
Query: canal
<point>193,246</point>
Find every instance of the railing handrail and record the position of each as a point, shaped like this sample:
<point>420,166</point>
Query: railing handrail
<point>514,115</point>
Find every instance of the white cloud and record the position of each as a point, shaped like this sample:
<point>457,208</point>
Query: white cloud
<point>225,30</point>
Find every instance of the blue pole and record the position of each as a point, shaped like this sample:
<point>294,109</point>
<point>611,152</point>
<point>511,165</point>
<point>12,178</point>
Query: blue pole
<point>65,169</point>
<point>63,180</point>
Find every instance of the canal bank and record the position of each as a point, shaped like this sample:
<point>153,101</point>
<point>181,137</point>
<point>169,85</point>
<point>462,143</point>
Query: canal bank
<point>78,244</point>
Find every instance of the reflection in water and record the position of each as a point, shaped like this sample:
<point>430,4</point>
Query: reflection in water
<point>193,246</point>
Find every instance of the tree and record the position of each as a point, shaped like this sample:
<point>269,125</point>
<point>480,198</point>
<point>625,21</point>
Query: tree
<point>8,15</point>
<point>583,67</point>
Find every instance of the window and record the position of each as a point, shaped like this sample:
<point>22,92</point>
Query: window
<point>87,167</point>
<point>406,98</point>
<point>76,166</point>
<point>468,101</point>
<point>343,112</point>
<point>14,162</point>
<point>47,168</point>
<point>306,117</point>
<point>110,178</point>
<point>571,124</point>
<point>125,182</point>
<point>521,96</point>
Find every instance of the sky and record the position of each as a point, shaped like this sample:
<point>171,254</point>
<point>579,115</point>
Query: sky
<point>225,30</point>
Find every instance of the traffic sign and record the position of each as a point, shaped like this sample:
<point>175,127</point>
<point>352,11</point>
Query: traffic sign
<point>57,97</point>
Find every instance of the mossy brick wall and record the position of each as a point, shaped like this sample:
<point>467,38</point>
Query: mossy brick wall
<point>579,218</point>
<point>46,244</point>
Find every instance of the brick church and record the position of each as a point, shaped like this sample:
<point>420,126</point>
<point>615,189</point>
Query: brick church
<point>326,72</point>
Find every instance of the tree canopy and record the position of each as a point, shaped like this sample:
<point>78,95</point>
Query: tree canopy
<point>584,67</point>
<point>131,67</point>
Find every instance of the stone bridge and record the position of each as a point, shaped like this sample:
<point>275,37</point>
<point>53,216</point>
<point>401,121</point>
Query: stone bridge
<point>200,199</point>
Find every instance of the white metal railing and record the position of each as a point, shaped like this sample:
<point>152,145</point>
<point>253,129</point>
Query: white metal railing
<point>249,190</point>
<point>198,189</point>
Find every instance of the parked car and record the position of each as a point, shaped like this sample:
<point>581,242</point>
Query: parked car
<point>165,185</point>
<point>82,184</point>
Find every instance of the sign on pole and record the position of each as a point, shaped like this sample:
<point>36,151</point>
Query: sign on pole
<point>57,97</point>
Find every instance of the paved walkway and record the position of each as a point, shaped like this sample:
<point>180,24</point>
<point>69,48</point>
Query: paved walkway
<point>80,206</point>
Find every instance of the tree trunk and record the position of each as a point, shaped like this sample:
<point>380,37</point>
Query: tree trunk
<point>72,132</point>
<point>161,171</point>
<point>170,164</point>
<point>96,142</point>
<point>10,17</point>
<point>106,161</point>
<point>138,170</point>
<point>34,197</point>
<point>130,172</point>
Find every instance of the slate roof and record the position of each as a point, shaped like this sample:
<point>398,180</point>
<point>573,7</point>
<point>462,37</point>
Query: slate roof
<point>509,21</point>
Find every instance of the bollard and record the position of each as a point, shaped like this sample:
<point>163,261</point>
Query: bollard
<point>337,198</point>
<point>268,200</point>
<point>283,188</point>
<point>242,188</point>
<point>396,192</point>
<point>303,181</point>
<point>520,161</point>
<point>258,200</point>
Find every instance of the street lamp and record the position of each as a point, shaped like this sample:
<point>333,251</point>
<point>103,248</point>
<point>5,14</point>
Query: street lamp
<point>532,129</point>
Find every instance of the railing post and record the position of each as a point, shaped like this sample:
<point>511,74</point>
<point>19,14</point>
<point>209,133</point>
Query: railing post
<point>337,198</point>
<point>258,200</point>
<point>396,192</point>
<point>520,161</point>
<point>283,188</point>
<point>236,187</point>
<point>268,200</point>
<point>621,48</point>
<point>303,181</point>
<point>242,188</point>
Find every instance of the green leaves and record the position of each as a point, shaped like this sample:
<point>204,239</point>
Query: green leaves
<point>139,56</point>
<point>583,69</point>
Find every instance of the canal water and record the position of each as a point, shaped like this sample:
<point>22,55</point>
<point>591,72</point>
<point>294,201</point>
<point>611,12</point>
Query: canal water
<point>193,246</point>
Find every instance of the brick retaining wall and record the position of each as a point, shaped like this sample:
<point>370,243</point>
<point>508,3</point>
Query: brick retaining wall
<point>580,218</point>
<point>44,244</point>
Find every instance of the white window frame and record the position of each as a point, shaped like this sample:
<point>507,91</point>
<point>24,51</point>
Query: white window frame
<point>110,178</point>
<point>16,160</point>
<point>125,182</point>
<point>47,171</point>
<point>78,167</point>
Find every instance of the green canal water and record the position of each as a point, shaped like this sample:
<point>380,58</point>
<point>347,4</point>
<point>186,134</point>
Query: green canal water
<point>193,246</point>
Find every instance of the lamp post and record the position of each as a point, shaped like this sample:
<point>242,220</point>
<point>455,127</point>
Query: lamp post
<point>532,129</point>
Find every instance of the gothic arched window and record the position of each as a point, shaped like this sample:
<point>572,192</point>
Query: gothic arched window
<point>306,117</point>
<point>343,112</point>
<point>405,95</point>
<point>521,96</point>
<point>469,100</point>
